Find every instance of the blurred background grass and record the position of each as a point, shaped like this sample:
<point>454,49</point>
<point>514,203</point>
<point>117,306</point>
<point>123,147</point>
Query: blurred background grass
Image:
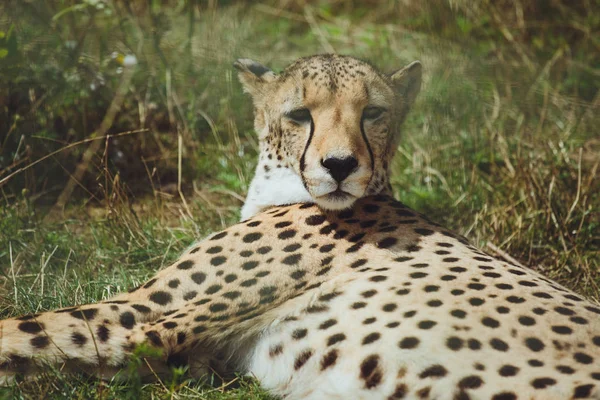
<point>146,139</point>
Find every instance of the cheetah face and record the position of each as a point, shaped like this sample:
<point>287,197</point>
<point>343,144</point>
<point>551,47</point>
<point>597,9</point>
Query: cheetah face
<point>331,120</point>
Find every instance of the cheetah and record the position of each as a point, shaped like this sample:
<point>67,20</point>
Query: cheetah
<point>330,288</point>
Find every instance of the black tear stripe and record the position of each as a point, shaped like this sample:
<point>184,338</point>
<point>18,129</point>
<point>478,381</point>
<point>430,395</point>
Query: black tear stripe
<point>364,135</point>
<point>303,158</point>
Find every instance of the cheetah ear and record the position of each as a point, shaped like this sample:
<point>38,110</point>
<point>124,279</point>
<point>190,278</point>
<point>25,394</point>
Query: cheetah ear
<point>253,75</point>
<point>408,82</point>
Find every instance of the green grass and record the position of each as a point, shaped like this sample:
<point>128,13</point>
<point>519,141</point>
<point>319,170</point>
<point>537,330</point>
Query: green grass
<point>501,146</point>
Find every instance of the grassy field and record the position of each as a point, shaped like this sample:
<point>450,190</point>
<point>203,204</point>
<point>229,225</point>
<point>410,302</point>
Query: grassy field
<point>145,140</point>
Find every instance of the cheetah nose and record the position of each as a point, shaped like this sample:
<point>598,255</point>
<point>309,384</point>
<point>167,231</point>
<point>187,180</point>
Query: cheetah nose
<point>340,168</point>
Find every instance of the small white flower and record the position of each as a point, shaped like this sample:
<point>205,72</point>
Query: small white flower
<point>129,60</point>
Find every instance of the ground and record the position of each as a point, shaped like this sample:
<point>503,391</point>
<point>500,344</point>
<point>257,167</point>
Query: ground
<point>501,146</point>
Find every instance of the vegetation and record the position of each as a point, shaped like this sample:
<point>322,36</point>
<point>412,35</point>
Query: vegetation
<point>137,101</point>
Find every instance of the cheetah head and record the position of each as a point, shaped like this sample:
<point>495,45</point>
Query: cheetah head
<point>328,128</point>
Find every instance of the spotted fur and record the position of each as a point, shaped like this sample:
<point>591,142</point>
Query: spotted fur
<point>374,301</point>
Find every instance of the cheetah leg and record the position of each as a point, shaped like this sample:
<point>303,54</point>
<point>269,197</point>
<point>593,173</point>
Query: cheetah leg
<point>220,295</point>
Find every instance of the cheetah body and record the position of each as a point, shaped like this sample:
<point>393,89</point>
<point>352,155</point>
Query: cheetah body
<point>347,294</point>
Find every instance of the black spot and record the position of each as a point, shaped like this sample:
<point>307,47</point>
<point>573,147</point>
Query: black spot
<point>490,322</point>
<point>154,338</point>
<point>595,310</point>
<point>78,339</point>
<point>87,314</point>
<point>534,344</point>
<point>218,260</point>
<point>583,391</point>
<point>40,342</point>
<point>315,220</point>
<point>370,372</point>
<point>103,333</point>
<point>264,250</point>
<point>219,235</point>
<point>476,301</point>
<point>162,298</point>
<point>290,248</point>
<point>542,383</point>
<point>515,299</point>
<point>526,321</point>
<point>149,283</point>
<point>218,307</point>
<point>389,307</point>
<point>198,277</point>
<point>232,295</point>
<point>470,382</point>
<point>174,283</point>
<point>498,344</point>
<point>508,370</point>
<point>458,314</point>
<point>476,286</point>
<point>504,286</point>
<point>333,339</point>
<point>371,337</point>
<point>583,358</point>
<point>299,274</point>
<point>292,259</point>
<point>474,344</point>
<point>212,289</point>
<point>564,369</point>
<point>435,371</point>
<point>409,342</point>
<point>399,392</point>
<point>181,336</point>
<point>505,396</point>
<point>454,343</point>
<point>282,224</point>
<point>370,208</point>
<point>287,234</point>
<point>355,247</point>
<point>249,282</point>
<point>230,278</point>
<point>141,308</point>
<point>329,359</point>
<point>562,330</point>
<point>387,242</point>
<point>198,329</point>
<point>578,320</point>
<point>564,311</point>
<point>189,263</point>
<point>326,248</point>
<point>424,232</point>
<point>434,303</point>
<point>299,333</point>
<point>127,320</point>
<point>170,325</point>
<point>190,295</point>
<point>252,237</point>
<point>302,359</point>
<point>378,278</point>
<point>31,327</point>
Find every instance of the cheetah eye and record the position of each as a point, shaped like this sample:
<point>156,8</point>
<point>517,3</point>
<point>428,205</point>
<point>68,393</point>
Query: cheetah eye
<point>299,116</point>
<point>372,113</point>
